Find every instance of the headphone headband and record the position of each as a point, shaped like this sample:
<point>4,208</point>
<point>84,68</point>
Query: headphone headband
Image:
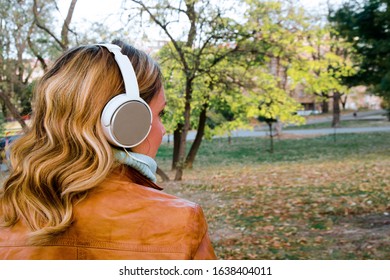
<point>125,66</point>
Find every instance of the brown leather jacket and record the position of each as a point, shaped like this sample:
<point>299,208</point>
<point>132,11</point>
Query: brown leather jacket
<point>121,220</point>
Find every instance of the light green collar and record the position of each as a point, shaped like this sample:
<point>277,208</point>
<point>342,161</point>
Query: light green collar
<point>143,163</point>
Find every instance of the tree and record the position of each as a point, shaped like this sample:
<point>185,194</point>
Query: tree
<point>221,72</point>
<point>24,36</point>
<point>274,103</point>
<point>324,65</point>
<point>276,50</point>
<point>220,99</point>
<point>14,30</point>
<point>217,73</point>
<point>206,27</point>
<point>41,12</point>
<point>365,24</point>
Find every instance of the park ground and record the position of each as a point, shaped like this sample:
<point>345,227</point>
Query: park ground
<point>314,197</point>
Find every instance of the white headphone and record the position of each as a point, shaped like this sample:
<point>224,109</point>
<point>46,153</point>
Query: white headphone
<point>126,119</point>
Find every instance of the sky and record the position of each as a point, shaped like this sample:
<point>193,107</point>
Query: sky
<point>313,5</point>
<point>99,10</point>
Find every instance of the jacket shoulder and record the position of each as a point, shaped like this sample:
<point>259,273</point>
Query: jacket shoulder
<point>127,214</point>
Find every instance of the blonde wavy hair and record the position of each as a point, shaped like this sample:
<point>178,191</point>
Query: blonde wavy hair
<point>65,153</point>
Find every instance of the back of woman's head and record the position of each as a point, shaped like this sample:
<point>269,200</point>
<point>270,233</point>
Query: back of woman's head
<point>65,153</point>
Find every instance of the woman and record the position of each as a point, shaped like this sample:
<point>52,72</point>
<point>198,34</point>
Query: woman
<point>74,192</point>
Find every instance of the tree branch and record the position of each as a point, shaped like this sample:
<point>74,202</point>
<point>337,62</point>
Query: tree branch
<point>164,28</point>
<point>65,27</point>
<point>34,50</point>
<point>13,110</point>
<point>191,14</point>
<point>44,28</point>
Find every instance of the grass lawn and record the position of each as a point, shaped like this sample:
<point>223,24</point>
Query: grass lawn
<point>313,198</point>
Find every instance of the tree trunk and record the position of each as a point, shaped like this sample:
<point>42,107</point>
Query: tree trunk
<point>179,173</point>
<point>176,145</point>
<point>15,113</point>
<point>325,106</point>
<point>65,27</point>
<point>198,138</point>
<point>336,109</point>
<point>344,102</point>
<point>184,132</point>
<point>271,148</point>
<point>162,174</point>
<point>181,155</point>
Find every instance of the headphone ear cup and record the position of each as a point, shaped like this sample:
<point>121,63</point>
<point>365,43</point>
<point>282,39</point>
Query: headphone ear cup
<point>126,122</point>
